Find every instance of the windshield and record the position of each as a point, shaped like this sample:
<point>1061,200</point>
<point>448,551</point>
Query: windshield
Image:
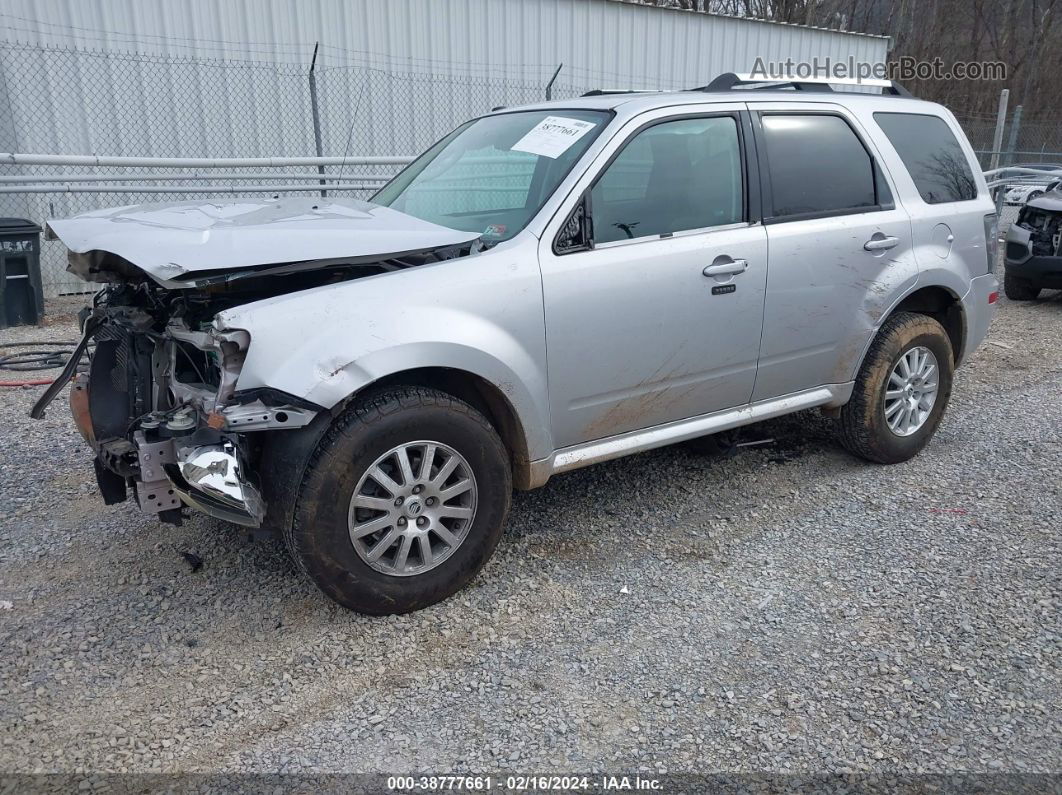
<point>492,174</point>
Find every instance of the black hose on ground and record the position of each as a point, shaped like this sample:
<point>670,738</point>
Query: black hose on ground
<point>40,356</point>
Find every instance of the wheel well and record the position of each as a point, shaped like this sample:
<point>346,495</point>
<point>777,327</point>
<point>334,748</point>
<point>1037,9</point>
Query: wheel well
<point>483,396</point>
<point>943,306</point>
<point>283,455</point>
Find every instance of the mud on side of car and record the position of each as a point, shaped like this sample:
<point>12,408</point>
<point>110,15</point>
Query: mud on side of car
<point>545,288</point>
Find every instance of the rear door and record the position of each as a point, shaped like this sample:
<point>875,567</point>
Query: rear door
<point>840,245</point>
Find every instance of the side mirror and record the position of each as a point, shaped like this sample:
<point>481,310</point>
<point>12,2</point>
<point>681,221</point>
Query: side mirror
<point>577,234</point>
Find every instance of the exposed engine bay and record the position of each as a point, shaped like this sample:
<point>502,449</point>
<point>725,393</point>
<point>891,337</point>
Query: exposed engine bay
<point>1045,229</point>
<point>158,404</point>
<point>159,401</point>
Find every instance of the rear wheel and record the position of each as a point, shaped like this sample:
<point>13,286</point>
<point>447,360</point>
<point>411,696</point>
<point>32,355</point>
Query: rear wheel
<point>1018,289</point>
<point>901,391</point>
<point>403,502</point>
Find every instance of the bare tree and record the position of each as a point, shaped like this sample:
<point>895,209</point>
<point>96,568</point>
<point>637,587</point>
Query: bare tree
<point>1022,34</point>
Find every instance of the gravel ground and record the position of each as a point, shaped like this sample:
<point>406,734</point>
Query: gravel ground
<point>786,608</point>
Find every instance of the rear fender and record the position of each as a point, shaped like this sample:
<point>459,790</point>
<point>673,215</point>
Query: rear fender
<point>928,278</point>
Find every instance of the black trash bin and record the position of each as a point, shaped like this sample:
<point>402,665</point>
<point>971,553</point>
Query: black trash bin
<point>21,291</point>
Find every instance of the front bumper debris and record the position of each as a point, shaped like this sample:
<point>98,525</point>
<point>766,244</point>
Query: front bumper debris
<point>211,477</point>
<point>202,471</point>
<point>158,405</point>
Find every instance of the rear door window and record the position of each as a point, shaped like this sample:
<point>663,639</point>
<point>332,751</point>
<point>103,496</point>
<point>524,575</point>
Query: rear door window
<point>933,157</point>
<point>818,167</point>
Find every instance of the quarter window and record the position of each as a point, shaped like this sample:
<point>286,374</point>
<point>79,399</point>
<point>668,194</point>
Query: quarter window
<point>933,157</point>
<point>817,166</point>
<point>671,177</point>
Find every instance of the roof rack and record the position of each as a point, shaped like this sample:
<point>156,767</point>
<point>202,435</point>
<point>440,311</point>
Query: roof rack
<point>602,92</point>
<point>729,80</point>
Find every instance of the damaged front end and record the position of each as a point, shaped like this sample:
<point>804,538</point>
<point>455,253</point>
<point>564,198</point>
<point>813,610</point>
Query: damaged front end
<point>159,401</point>
<point>1034,243</point>
<point>158,404</point>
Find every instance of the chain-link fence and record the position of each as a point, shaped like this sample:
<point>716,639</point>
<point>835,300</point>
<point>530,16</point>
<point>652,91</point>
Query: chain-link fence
<point>1025,140</point>
<point>65,100</point>
<point>1031,141</point>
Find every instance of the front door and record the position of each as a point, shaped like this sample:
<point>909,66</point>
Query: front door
<point>660,320</point>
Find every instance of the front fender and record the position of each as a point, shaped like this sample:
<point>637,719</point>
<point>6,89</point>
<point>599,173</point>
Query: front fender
<point>482,316</point>
<point>338,383</point>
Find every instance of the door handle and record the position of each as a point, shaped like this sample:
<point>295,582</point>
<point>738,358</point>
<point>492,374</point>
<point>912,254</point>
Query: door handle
<point>880,242</point>
<point>728,267</point>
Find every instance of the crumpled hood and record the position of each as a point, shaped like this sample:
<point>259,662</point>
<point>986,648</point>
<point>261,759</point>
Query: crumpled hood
<point>178,243</point>
<point>1052,202</point>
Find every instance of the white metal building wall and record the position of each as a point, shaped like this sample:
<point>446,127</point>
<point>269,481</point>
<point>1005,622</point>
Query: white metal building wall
<point>607,43</point>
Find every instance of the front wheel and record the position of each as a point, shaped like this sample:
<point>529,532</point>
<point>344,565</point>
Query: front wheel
<point>901,391</point>
<point>403,502</point>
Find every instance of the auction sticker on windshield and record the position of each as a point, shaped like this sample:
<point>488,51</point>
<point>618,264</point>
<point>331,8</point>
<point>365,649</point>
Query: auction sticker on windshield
<point>553,136</point>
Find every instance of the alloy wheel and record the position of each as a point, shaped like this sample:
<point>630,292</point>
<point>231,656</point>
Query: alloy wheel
<point>412,508</point>
<point>911,391</point>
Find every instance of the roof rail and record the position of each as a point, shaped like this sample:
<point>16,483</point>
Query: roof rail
<point>601,92</point>
<point>729,80</point>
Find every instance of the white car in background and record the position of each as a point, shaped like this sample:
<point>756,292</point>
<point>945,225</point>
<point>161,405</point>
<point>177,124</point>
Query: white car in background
<point>1020,194</point>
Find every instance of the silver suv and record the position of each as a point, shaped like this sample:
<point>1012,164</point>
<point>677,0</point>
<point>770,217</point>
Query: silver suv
<point>544,288</point>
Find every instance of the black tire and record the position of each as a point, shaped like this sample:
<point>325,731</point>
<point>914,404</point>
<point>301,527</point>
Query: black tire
<point>1036,194</point>
<point>863,428</point>
<point>1018,289</point>
<point>319,538</point>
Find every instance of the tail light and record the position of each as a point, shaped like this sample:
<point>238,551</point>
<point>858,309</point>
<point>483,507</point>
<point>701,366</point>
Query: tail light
<point>991,240</point>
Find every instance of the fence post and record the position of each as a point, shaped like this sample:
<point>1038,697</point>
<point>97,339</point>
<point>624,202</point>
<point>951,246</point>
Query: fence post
<point>1012,141</point>
<point>549,85</point>
<point>1001,119</point>
<point>316,116</point>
